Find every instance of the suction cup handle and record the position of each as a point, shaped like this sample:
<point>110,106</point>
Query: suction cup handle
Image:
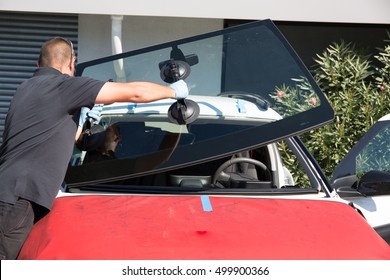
<point>175,72</point>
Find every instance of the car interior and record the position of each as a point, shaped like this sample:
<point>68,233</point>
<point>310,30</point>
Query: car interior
<point>249,170</point>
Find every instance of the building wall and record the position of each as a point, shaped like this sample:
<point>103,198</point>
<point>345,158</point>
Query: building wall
<point>21,36</point>
<point>310,39</point>
<point>307,38</point>
<point>344,11</point>
<point>137,32</point>
<point>94,38</point>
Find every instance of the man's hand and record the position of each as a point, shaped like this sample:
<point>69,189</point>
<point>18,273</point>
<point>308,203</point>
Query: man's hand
<point>181,89</point>
<point>93,113</point>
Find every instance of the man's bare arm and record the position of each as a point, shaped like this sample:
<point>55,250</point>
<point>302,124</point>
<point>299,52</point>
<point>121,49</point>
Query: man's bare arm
<point>137,92</point>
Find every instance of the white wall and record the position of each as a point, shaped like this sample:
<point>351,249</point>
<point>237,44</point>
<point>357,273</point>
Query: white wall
<point>137,32</point>
<point>346,11</point>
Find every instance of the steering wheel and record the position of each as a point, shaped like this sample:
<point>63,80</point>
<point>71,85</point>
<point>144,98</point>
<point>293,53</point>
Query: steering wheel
<point>222,176</point>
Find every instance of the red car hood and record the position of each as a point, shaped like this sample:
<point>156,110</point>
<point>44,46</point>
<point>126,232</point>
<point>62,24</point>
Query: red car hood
<point>201,227</point>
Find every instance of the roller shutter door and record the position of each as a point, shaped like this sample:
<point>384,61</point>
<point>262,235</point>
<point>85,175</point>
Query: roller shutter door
<point>21,35</point>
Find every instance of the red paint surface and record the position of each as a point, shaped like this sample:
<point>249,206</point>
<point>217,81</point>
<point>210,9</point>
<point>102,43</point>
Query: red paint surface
<point>168,227</point>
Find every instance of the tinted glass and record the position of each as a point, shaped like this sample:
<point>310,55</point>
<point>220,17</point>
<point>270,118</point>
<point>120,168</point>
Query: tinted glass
<point>250,86</point>
<point>371,153</point>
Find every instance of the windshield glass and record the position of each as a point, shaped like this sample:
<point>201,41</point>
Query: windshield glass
<point>250,88</point>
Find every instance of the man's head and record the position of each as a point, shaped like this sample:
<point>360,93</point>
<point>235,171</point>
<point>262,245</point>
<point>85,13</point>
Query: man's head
<point>58,53</point>
<point>112,137</point>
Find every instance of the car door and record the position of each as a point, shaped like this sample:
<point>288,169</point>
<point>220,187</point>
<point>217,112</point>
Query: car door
<point>363,177</point>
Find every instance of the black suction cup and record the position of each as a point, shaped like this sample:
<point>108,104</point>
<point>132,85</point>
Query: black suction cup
<point>183,111</point>
<point>174,70</point>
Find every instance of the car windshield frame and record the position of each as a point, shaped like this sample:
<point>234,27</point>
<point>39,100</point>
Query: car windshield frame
<point>274,95</point>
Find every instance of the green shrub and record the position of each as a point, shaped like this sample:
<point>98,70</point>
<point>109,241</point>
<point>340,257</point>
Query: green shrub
<point>359,93</point>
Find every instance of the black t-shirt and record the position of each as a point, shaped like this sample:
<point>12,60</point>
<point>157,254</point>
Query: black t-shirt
<point>39,134</point>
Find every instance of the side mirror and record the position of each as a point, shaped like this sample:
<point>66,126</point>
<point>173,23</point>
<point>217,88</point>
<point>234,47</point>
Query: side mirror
<point>348,192</point>
<point>346,186</point>
<point>374,183</point>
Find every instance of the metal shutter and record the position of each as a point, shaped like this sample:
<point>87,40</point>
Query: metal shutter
<point>21,35</point>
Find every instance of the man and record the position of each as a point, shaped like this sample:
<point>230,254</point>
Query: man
<point>42,120</point>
